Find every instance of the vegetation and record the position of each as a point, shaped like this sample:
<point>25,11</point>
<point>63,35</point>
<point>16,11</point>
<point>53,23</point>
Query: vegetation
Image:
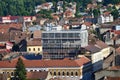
<point>111,2</point>
<point>115,13</point>
<point>45,14</point>
<point>20,72</point>
<point>26,7</point>
<point>96,12</point>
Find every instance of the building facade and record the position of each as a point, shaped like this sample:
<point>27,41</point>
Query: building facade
<point>66,69</point>
<point>63,43</point>
<point>34,46</point>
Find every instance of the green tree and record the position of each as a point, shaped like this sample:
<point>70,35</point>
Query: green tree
<point>45,14</point>
<point>20,72</point>
<point>96,12</point>
<point>77,9</point>
<point>115,13</point>
<point>64,3</point>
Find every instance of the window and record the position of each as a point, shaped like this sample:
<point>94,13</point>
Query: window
<point>38,49</point>
<point>63,73</point>
<point>67,73</point>
<point>59,73</point>
<point>54,73</point>
<point>12,73</point>
<point>71,73</point>
<point>51,35</point>
<point>31,70</point>
<point>76,74</point>
<point>64,35</point>
<point>33,49</point>
<point>57,35</point>
<point>29,49</point>
<point>51,73</point>
<point>70,35</point>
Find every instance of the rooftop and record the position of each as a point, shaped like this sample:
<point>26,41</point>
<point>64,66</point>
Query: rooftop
<point>46,63</point>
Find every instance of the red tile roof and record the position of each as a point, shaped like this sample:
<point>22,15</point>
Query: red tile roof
<point>106,13</point>
<point>83,60</point>
<point>34,42</point>
<point>92,48</point>
<point>5,27</point>
<point>46,63</point>
<point>88,24</point>
<point>101,44</point>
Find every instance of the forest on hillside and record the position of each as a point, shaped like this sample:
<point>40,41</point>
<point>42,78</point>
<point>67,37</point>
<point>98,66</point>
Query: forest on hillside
<point>27,7</point>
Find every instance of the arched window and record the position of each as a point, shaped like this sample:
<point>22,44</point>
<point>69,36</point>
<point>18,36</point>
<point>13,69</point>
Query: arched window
<point>63,73</point>
<point>33,49</point>
<point>54,73</point>
<point>59,73</point>
<point>29,49</point>
<point>71,73</point>
<point>35,70</point>
<point>39,70</point>
<point>51,73</point>
<point>38,49</point>
<point>12,73</point>
<point>31,70</point>
<point>7,72</point>
<point>76,73</point>
<point>67,73</point>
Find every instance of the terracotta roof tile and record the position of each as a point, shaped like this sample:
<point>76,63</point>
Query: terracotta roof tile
<point>87,24</point>
<point>92,48</point>
<point>101,44</point>
<point>45,63</point>
<point>34,42</point>
<point>83,60</point>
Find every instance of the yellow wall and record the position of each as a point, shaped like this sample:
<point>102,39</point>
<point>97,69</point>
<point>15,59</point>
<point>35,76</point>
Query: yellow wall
<point>60,70</point>
<point>34,49</point>
<point>105,52</point>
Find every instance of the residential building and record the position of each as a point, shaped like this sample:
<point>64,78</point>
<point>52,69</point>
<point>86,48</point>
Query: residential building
<point>97,52</point>
<point>66,69</point>
<point>68,14</point>
<point>16,19</point>
<point>105,18</point>
<point>59,44</point>
<point>34,46</point>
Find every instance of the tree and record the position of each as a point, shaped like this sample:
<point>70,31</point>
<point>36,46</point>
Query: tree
<point>96,12</point>
<point>77,9</point>
<point>115,13</point>
<point>64,5</point>
<point>20,72</point>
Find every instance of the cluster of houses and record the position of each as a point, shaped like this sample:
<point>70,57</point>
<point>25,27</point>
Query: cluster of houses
<point>85,48</point>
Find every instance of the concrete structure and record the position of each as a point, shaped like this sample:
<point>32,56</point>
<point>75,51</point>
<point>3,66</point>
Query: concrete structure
<point>61,43</point>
